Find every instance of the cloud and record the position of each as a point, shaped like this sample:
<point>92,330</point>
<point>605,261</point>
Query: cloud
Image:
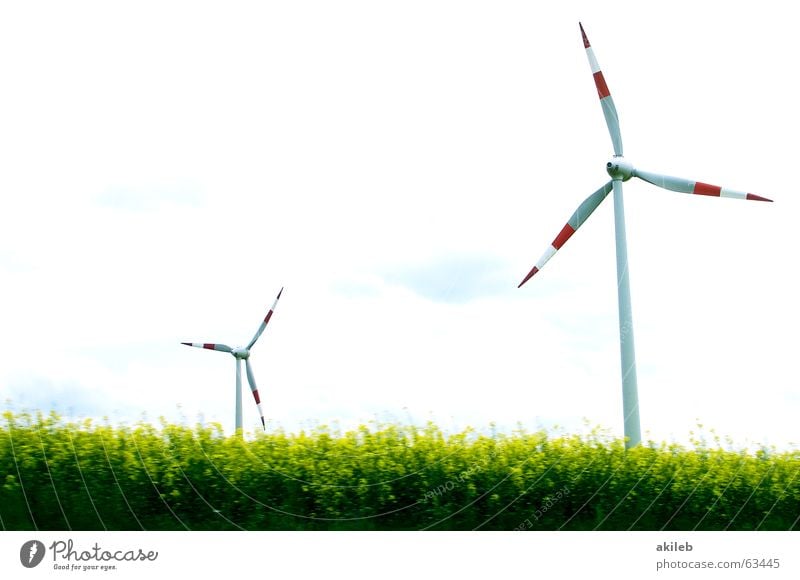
<point>149,198</point>
<point>70,399</point>
<point>13,263</point>
<point>454,279</point>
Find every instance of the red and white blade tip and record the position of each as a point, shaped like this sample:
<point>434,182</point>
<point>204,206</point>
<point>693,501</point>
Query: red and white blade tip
<point>529,276</point>
<point>208,345</point>
<point>585,38</point>
<point>701,188</point>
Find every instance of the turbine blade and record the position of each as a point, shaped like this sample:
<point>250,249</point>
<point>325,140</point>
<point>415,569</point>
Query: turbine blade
<point>252,380</point>
<point>210,346</point>
<point>578,218</point>
<point>265,322</point>
<point>609,110</point>
<point>695,187</point>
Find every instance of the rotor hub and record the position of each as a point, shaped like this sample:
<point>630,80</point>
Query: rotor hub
<point>619,168</point>
<point>241,353</point>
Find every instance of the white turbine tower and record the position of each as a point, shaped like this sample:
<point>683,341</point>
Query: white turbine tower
<point>621,170</point>
<point>243,353</point>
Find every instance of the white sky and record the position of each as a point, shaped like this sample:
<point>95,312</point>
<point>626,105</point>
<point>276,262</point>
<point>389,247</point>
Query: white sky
<point>398,167</point>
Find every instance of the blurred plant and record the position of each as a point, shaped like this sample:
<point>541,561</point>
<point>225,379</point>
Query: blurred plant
<point>59,475</point>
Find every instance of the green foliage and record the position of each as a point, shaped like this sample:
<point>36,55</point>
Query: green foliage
<point>57,475</point>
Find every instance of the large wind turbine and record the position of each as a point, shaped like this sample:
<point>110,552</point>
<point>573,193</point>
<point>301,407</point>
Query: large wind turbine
<point>621,170</point>
<point>243,353</point>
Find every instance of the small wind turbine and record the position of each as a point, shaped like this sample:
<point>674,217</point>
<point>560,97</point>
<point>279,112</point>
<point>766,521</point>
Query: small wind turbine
<point>621,170</point>
<point>243,353</point>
